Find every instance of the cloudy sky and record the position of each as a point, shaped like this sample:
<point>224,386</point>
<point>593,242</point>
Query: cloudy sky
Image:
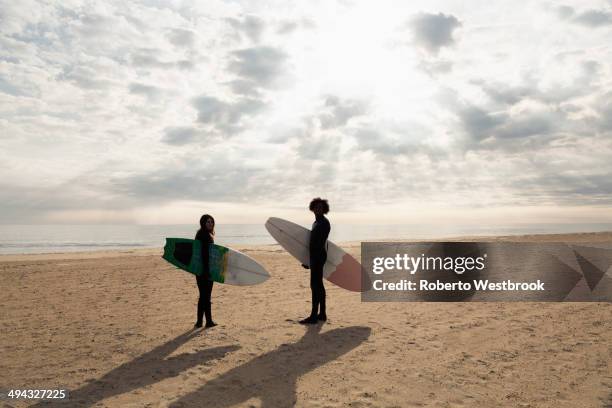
<point>421,111</point>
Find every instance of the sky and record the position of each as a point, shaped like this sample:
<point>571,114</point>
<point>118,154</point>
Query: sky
<point>438,112</point>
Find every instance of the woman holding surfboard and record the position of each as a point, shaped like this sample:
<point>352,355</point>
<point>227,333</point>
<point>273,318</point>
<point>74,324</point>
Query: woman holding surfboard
<point>205,235</point>
<point>318,256</point>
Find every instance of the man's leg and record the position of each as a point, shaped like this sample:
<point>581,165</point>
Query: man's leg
<point>322,313</point>
<point>315,294</point>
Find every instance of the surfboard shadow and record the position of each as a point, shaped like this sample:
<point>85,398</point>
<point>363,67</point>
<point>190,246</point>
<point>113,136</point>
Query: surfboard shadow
<point>149,368</point>
<point>272,377</point>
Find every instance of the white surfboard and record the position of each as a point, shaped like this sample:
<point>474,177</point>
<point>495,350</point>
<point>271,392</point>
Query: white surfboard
<point>340,269</point>
<point>226,265</point>
<point>242,270</point>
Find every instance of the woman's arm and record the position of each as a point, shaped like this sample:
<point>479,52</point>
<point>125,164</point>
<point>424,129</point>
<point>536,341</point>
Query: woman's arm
<point>204,239</point>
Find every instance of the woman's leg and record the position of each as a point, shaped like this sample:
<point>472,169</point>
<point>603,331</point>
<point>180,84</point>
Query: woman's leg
<point>201,280</point>
<point>207,304</point>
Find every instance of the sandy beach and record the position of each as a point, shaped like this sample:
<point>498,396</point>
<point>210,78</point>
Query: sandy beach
<point>115,329</point>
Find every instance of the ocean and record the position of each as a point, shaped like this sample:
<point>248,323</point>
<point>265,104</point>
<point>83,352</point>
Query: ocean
<point>16,239</point>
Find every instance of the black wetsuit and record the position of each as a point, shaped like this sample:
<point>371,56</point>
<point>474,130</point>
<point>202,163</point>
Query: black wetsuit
<point>205,285</point>
<point>318,257</point>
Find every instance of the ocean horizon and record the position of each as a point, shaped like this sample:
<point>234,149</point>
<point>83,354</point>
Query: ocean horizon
<point>18,239</point>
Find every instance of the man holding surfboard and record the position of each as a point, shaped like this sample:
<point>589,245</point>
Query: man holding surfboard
<point>318,257</point>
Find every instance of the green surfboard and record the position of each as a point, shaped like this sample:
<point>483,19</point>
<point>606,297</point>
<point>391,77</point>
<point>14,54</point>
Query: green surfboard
<point>186,254</point>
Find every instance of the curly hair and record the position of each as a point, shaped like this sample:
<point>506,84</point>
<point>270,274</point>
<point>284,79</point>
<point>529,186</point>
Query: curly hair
<point>318,200</point>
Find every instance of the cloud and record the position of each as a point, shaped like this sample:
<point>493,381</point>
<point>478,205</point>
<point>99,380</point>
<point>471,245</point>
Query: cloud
<point>148,58</point>
<point>316,166</point>
<point>529,127</point>
<point>564,187</point>
<point>587,18</point>
<point>318,143</point>
<point>328,121</point>
<point>11,89</point>
<point>339,112</point>
<point>583,83</point>
<point>527,124</point>
<point>603,108</point>
<point>261,65</point>
<point>289,26</point>
<point>83,190</point>
<point>506,94</point>
<point>510,131</point>
<point>565,12</point>
<point>319,146</point>
<point>85,77</point>
<point>436,67</point>
<point>250,26</point>
<point>181,37</point>
<point>225,117</point>
<point>245,87</point>
<point>278,103</point>
<point>434,31</point>
<point>478,123</point>
<point>152,93</point>
<point>201,180</point>
<point>184,135</point>
<point>374,141</point>
<point>594,18</point>
<point>16,17</point>
<point>94,24</point>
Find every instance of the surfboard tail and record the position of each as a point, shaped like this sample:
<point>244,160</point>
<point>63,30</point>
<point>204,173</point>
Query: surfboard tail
<point>349,275</point>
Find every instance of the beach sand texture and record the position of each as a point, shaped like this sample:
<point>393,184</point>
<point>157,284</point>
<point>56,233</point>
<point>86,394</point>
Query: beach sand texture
<point>115,329</point>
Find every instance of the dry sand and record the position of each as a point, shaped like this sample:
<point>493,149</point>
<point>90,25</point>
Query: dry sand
<point>115,329</point>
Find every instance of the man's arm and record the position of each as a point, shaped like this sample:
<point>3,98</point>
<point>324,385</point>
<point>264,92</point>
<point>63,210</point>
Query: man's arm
<point>320,234</point>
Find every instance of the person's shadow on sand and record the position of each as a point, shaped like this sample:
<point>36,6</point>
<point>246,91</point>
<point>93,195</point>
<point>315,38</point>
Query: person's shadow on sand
<point>272,377</point>
<point>149,368</point>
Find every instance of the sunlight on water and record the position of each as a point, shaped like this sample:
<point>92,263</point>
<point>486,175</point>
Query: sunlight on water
<point>70,238</point>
